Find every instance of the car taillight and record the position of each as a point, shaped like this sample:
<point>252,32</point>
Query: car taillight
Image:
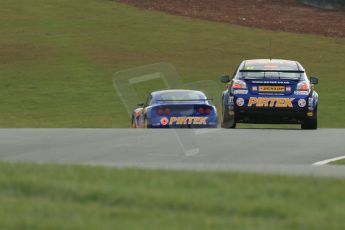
<point>303,86</point>
<point>238,84</point>
<point>167,111</point>
<point>162,111</point>
<point>201,110</point>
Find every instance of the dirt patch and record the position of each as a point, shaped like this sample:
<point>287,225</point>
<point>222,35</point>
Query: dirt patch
<point>281,15</point>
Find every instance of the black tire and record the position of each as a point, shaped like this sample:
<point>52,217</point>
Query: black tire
<point>133,124</point>
<point>228,122</point>
<point>145,123</point>
<point>309,123</point>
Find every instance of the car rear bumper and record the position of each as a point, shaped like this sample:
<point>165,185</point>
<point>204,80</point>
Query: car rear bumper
<point>182,126</point>
<point>272,109</point>
<point>184,122</point>
<point>271,115</point>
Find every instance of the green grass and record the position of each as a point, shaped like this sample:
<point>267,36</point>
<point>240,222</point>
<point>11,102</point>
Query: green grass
<point>76,197</point>
<point>57,59</point>
<point>339,162</point>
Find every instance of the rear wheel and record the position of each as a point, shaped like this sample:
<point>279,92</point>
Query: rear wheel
<point>145,122</point>
<point>309,123</point>
<point>133,123</point>
<point>228,121</point>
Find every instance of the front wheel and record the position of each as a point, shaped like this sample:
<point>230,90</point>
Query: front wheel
<point>228,121</point>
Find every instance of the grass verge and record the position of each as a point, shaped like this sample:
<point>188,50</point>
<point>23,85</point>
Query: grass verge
<point>339,162</point>
<point>76,197</point>
<point>57,59</point>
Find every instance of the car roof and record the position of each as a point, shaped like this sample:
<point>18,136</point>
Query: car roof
<point>273,61</point>
<point>156,93</point>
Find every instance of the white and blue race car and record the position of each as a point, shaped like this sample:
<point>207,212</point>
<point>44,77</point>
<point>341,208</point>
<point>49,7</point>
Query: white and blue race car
<point>270,91</point>
<point>175,109</point>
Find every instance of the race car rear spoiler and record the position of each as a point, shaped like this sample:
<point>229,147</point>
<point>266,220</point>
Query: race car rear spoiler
<point>270,70</point>
<point>189,100</point>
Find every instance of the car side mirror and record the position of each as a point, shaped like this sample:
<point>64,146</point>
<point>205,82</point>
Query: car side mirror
<point>314,80</point>
<point>225,79</point>
<point>141,104</point>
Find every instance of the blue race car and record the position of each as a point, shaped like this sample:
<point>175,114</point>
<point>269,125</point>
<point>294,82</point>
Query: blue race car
<point>270,91</point>
<point>175,109</point>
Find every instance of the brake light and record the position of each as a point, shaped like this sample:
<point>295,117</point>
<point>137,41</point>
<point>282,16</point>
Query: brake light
<point>167,111</point>
<point>303,86</point>
<point>162,111</point>
<point>239,84</point>
<point>201,110</point>
<point>207,111</point>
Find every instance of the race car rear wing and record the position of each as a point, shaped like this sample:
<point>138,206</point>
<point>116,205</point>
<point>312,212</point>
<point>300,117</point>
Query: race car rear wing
<point>189,100</point>
<point>270,70</point>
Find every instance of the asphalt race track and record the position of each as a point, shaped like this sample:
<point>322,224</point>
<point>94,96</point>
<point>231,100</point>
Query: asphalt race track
<point>251,150</point>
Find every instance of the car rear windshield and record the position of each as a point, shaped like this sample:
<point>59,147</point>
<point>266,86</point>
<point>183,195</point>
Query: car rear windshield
<point>181,96</point>
<point>277,69</point>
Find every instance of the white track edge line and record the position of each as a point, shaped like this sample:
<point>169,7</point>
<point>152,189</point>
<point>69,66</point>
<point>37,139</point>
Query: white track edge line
<point>324,162</point>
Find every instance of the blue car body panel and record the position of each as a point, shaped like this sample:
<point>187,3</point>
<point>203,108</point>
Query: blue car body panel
<point>182,114</point>
<point>287,105</point>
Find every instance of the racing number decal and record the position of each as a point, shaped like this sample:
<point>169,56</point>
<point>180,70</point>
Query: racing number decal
<point>271,102</point>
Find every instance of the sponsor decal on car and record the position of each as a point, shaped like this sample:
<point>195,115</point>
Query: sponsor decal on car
<point>164,121</point>
<point>241,92</point>
<point>271,88</point>
<point>240,101</point>
<point>184,121</point>
<point>301,93</point>
<point>270,102</point>
<point>231,100</point>
<point>302,103</point>
<point>271,66</point>
<point>311,101</point>
<point>271,82</point>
